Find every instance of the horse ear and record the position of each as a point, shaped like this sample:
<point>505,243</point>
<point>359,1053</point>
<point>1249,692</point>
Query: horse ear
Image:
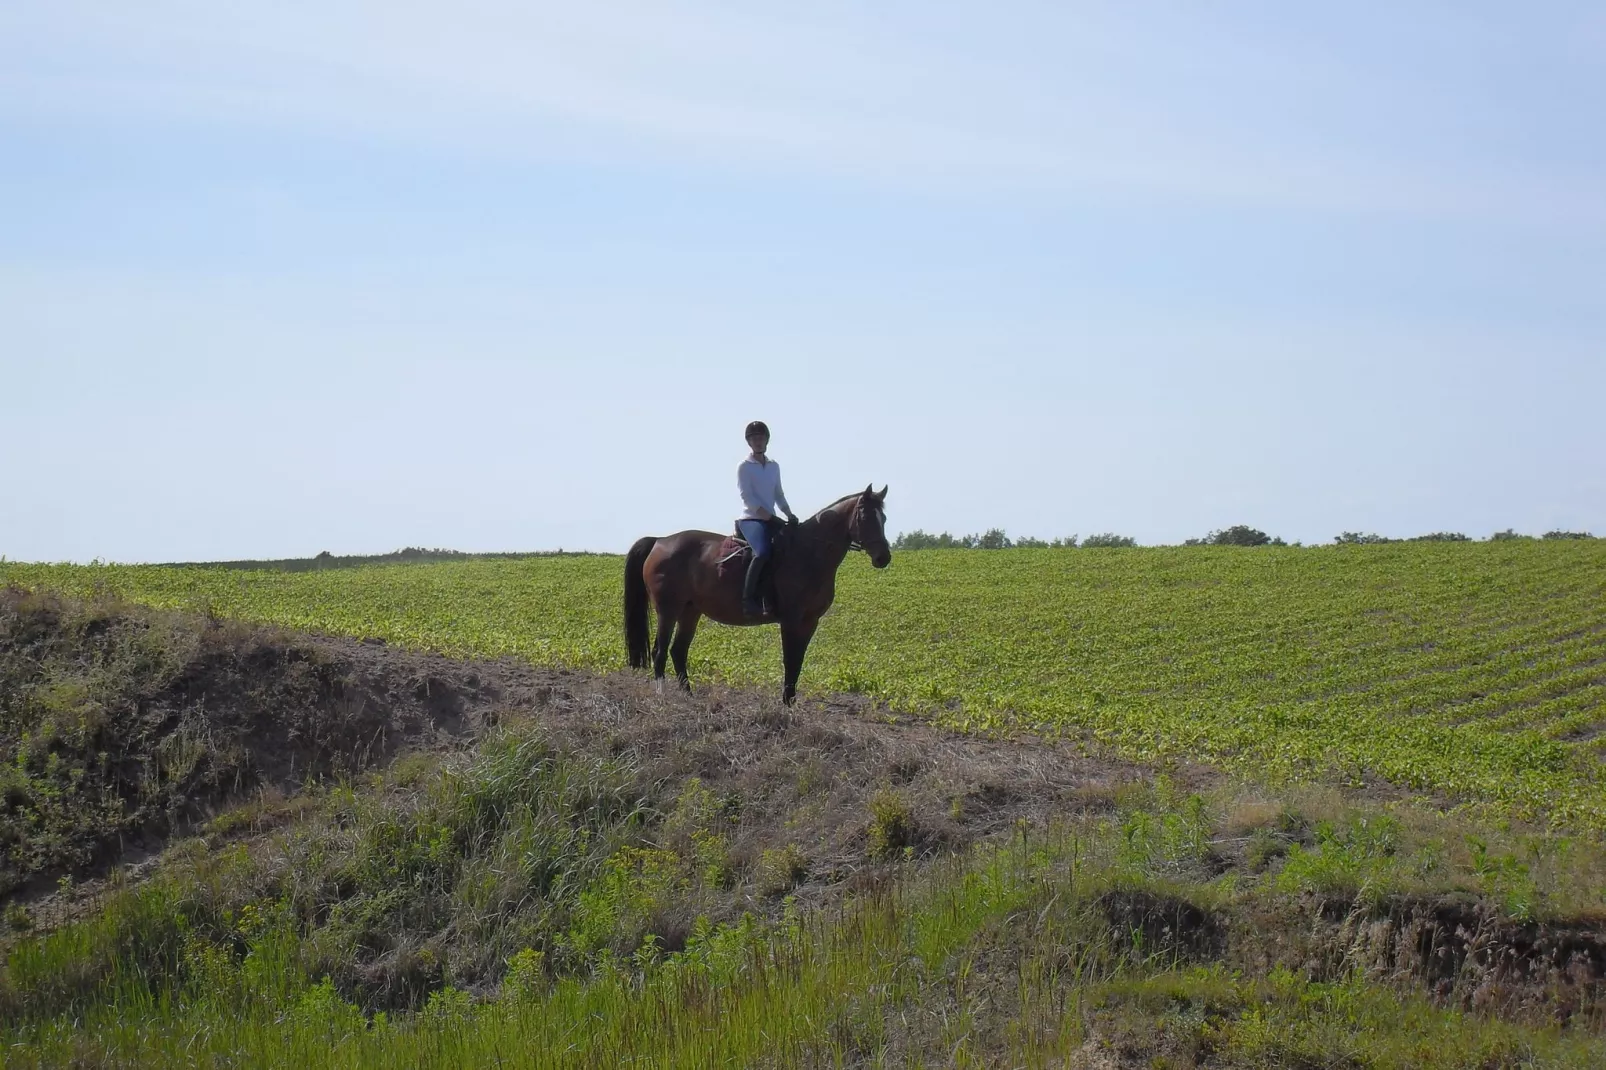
<point>883,495</point>
<point>869,489</point>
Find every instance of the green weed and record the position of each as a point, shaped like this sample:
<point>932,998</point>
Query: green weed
<point>892,827</point>
<point>780,869</point>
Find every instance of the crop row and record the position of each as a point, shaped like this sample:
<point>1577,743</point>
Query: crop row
<point>1475,669</point>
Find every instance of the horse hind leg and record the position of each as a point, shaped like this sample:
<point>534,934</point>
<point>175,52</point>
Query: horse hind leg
<point>685,630</point>
<point>660,643</point>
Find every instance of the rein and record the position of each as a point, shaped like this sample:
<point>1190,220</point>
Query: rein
<point>854,545</point>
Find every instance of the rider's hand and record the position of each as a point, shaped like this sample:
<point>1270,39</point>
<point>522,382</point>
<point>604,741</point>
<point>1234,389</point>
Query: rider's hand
<point>791,520</point>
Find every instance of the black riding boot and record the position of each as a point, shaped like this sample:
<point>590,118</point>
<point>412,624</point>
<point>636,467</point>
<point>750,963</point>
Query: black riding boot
<point>751,605</point>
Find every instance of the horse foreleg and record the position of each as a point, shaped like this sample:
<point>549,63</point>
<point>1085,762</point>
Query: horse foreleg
<point>684,631</point>
<point>794,644</point>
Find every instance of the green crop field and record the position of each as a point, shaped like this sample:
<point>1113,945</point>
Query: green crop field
<point>1475,669</point>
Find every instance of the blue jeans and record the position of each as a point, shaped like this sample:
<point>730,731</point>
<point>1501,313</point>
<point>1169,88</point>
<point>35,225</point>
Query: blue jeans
<point>757,534</point>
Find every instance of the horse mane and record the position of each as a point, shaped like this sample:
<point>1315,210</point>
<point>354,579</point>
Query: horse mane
<point>838,502</point>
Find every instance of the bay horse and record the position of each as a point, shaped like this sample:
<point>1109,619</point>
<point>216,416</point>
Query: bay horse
<point>680,575</point>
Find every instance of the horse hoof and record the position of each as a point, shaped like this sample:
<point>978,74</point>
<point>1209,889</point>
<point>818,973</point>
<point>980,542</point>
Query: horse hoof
<point>658,685</point>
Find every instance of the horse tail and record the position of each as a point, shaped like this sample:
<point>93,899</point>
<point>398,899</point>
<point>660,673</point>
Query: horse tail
<point>636,601</point>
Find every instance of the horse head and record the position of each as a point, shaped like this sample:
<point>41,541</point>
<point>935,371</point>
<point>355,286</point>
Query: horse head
<point>868,526</point>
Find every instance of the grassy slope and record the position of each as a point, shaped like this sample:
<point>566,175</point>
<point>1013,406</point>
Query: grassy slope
<point>890,984</point>
<point>1110,937</point>
<point>1469,668</point>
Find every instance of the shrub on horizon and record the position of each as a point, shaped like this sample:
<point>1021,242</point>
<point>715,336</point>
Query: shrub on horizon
<point>924,540</point>
<point>992,539</point>
<point>1237,535</point>
<point>1355,538</point>
<point>1107,540</point>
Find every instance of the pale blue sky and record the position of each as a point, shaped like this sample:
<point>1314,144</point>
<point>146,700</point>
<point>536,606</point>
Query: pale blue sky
<point>281,278</point>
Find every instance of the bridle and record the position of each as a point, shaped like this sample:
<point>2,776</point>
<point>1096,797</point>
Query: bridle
<point>854,545</point>
<point>853,523</point>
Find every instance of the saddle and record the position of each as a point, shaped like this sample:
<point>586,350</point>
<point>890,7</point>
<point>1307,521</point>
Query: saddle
<point>735,553</point>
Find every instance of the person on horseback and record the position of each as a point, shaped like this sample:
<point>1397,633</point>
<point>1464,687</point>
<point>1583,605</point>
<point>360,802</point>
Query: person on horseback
<point>759,480</point>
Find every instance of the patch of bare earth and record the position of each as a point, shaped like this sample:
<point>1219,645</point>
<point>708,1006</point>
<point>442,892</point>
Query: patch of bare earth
<point>807,774</point>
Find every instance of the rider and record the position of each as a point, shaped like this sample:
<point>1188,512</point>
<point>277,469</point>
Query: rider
<point>759,480</point>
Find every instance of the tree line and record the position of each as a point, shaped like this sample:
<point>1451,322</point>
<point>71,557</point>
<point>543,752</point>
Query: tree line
<point>409,555</point>
<point>1237,535</point>
<point>996,539</point>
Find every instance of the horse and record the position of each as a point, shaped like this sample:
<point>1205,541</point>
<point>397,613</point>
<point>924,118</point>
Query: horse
<point>680,575</point>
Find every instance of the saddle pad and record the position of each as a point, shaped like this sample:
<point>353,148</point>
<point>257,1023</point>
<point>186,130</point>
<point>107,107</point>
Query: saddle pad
<point>733,556</point>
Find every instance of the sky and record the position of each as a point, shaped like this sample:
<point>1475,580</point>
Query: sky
<point>352,276</point>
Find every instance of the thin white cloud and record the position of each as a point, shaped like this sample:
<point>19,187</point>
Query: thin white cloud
<point>1165,104</point>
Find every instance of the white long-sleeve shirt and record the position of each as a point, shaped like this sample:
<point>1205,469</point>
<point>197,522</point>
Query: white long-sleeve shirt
<point>760,484</point>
